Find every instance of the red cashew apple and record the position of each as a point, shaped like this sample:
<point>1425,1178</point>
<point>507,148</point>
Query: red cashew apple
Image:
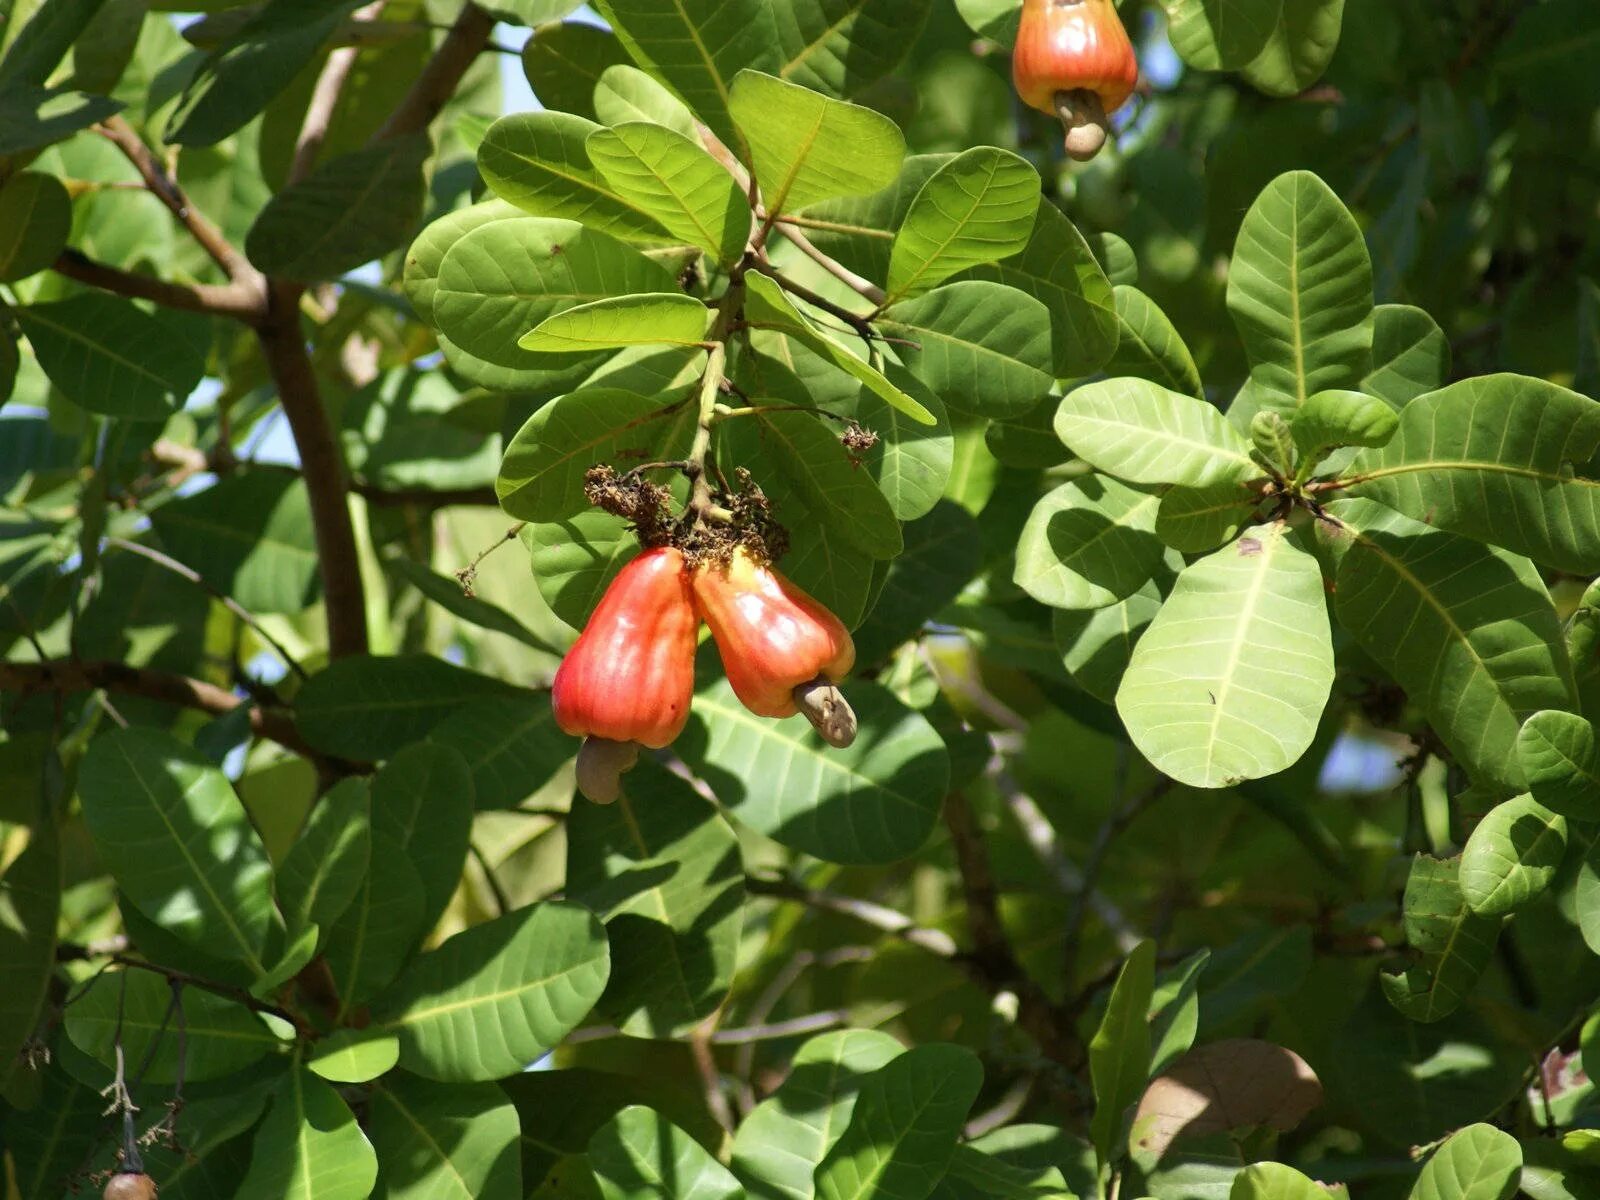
<point>1074,61</point>
<point>783,652</point>
<point>628,679</point>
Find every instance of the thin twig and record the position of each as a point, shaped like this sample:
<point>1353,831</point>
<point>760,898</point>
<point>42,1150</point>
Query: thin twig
<point>185,572</point>
<point>64,676</point>
<point>242,302</point>
<point>1119,819</point>
<point>878,916</point>
<point>468,574</point>
<point>860,324</point>
<point>861,286</point>
<point>793,1027</point>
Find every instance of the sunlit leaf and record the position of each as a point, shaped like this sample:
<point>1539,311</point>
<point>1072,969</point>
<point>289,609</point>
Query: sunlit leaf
<point>309,1147</point>
<point>1511,856</point>
<point>1453,942</point>
<point>1088,544</point>
<point>683,188</point>
<point>638,1154</point>
<point>1479,1162</point>
<point>1140,432</point>
<point>439,1141</point>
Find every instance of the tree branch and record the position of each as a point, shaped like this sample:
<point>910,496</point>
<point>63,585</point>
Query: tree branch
<point>325,98</point>
<point>880,917</point>
<point>860,285</point>
<point>242,302</point>
<point>155,177</point>
<point>467,38</point>
<point>66,675</point>
<point>426,497</point>
<point>992,954</point>
<point>322,465</point>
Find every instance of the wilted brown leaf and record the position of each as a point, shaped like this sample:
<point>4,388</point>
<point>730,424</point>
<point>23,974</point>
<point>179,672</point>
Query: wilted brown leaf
<point>1232,1084</point>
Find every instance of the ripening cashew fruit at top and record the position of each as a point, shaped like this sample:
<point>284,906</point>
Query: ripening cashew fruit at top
<point>628,679</point>
<point>1074,61</point>
<point>782,651</point>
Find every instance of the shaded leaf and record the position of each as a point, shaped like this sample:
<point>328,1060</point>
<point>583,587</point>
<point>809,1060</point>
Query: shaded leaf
<point>1479,1162</point>
<point>1220,35</point>
<point>437,1141</point>
<point>309,1147</point>
<point>1149,347</point>
<point>1410,355</point>
<point>1088,544</point>
<point>327,863</point>
<point>840,47</point>
<point>564,64</point>
<point>35,220</point>
<point>1453,943</point>
<point>1299,48</point>
<point>30,904</point>
<point>1556,751</point>
<point>422,805</point>
<point>349,210</point>
<point>512,746</point>
<point>876,801</point>
<point>31,117</point>
<point>1119,1052</point>
<point>1195,520</point>
<point>639,1154</point>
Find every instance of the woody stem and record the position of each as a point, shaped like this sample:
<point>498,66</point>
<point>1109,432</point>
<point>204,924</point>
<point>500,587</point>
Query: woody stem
<point>700,501</point>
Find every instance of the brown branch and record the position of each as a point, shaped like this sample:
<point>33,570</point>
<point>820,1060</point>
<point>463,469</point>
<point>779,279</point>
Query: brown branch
<point>322,465</point>
<point>467,38</point>
<point>992,957</point>
<point>858,284</point>
<point>66,676</point>
<point>166,189</point>
<point>325,98</point>
<point>242,302</point>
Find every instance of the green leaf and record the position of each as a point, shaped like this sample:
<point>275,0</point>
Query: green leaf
<point>669,176</point>
<point>1220,35</point>
<point>427,252</point>
<point>1556,751</point>
<point>1096,645</point>
<point>653,318</point>
<point>982,347</point>
<point>626,94</point>
<point>422,805</point>
<point>35,220</point>
<point>1148,347</point>
<point>531,12</point>
<point>374,937</point>
<point>842,47</point>
<point>502,279</point>
<point>1274,1181</point>
<point>1482,648</point>
<point>1197,520</point>
<point>766,307</point>
<point>574,561</point>
<point>1230,680</point>
<point>1410,355</point>
<point>697,50</point>
<point>1329,420</point>
<point>1492,458</point>
<point>1453,942</point>
<point>444,1141</point>
<point>1273,443</point>
<point>350,210</point>
<point>309,1147</point>
<point>1586,908</point>
<point>839,494</point>
<point>30,905</point>
<point>475,610</point>
<point>1479,1162</point>
<point>978,208</point>
<point>540,162</point>
<point>944,550</point>
<point>220,1037</point>
<point>807,148</point>
<point>639,1154</point>
<point>1140,432</point>
<point>565,62</point>
<point>993,19</point>
<point>238,79</point>
<point>327,863</point>
<point>1299,48</point>
<point>1088,544</point>
<point>1300,290</point>
<point>41,44</point>
<point>778,1146</point>
<point>367,707</point>
<point>662,869</point>
<point>1175,1010</point>
<point>178,842</point>
<point>874,802</point>
<point>1511,856</point>
<point>1119,1053</point>
<point>542,474</point>
<point>494,998</point>
<point>354,1056</point>
<point>511,744</point>
<point>1058,269</point>
<point>31,117</point>
<point>907,1119</point>
<point>250,537</point>
<point>974,1175</point>
<point>859,230</point>
<point>1544,58</point>
<point>110,357</point>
